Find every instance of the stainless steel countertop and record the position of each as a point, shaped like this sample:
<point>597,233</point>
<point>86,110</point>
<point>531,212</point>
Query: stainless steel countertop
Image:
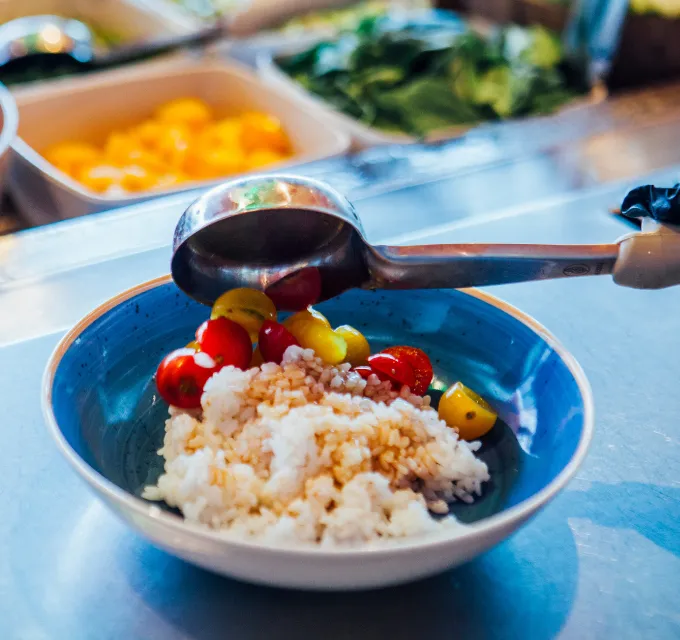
<point>601,561</point>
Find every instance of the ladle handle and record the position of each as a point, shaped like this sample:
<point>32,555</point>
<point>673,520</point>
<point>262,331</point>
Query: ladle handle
<point>473,265</point>
<point>648,260</point>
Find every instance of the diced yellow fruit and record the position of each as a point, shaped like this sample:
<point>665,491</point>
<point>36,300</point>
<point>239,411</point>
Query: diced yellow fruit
<point>148,133</point>
<point>71,157</point>
<point>467,412</point>
<point>100,177</point>
<point>214,164</point>
<point>149,161</point>
<point>170,180</point>
<point>358,348</point>
<point>136,178</point>
<point>118,148</point>
<point>188,111</point>
<point>122,149</point>
<point>262,131</point>
<point>263,158</point>
<point>174,144</point>
<point>225,133</point>
<point>247,307</point>
<point>182,142</point>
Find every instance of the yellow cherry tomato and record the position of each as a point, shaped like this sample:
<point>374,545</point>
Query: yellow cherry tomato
<point>247,307</point>
<point>358,349</point>
<point>72,157</point>
<point>313,331</point>
<point>194,345</point>
<point>467,412</point>
<point>191,112</point>
<point>306,316</point>
<point>325,342</point>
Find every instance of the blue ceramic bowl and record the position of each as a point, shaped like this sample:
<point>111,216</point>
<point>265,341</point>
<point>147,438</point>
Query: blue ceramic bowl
<point>102,409</point>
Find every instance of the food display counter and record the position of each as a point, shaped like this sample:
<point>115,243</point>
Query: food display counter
<point>600,561</point>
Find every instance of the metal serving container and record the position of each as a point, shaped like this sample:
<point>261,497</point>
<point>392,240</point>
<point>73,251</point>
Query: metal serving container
<point>88,108</point>
<point>128,19</point>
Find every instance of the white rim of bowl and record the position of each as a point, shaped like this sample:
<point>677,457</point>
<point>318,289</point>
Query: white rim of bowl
<point>10,119</point>
<point>495,523</point>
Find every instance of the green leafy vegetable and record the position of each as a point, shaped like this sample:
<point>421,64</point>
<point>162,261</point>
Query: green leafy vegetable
<point>418,79</point>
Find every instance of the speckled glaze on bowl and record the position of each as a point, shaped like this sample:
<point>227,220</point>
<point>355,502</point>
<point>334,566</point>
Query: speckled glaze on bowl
<point>100,405</point>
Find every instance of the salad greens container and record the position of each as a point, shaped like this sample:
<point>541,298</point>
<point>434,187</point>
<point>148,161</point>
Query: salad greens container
<point>393,82</point>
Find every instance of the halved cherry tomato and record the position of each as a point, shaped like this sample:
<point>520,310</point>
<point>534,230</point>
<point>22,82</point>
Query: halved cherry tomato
<point>181,376</point>
<point>226,341</point>
<point>467,412</point>
<point>396,369</point>
<point>420,363</point>
<point>365,372</point>
<point>273,341</point>
<point>358,348</point>
<point>313,331</point>
<point>327,344</point>
<point>248,307</point>
<point>297,291</point>
<point>305,317</point>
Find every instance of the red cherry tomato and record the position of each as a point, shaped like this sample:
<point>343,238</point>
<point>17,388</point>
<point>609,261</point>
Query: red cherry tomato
<point>396,369</point>
<point>273,341</point>
<point>226,342</point>
<point>365,371</point>
<point>297,291</point>
<point>420,363</point>
<point>181,376</point>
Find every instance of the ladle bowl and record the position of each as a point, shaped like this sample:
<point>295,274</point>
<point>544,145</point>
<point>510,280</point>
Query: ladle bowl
<point>259,231</point>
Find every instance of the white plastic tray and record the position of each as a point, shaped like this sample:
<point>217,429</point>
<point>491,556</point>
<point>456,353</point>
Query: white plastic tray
<point>91,107</point>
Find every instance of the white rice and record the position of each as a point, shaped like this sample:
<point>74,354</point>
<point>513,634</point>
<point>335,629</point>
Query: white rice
<point>313,454</point>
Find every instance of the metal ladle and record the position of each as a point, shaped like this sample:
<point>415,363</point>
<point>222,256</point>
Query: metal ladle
<point>258,231</point>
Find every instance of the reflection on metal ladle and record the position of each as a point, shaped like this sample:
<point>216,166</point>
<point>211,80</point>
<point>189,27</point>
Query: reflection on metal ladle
<point>281,234</point>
